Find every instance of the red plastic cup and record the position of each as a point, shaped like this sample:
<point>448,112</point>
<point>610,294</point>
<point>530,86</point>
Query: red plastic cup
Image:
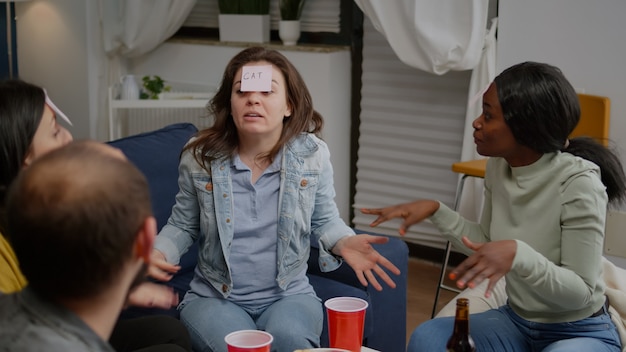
<point>249,341</point>
<point>346,319</point>
<point>322,350</point>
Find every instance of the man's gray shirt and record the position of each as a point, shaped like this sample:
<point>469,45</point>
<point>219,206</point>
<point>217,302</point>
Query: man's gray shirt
<point>30,323</point>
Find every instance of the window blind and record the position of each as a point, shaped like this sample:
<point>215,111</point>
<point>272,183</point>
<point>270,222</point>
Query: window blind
<point>410,134</point>
<point>317,15</point>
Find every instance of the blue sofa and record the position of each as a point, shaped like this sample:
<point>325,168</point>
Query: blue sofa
<point>157,153</point>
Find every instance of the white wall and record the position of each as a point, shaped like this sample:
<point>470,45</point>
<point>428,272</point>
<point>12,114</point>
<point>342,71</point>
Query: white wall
<point>585,39</point>
<point>326,73</point>
<point>58,48</point>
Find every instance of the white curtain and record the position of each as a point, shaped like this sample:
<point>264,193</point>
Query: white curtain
<point>438,36</point>
<point>132,28</point>
<point>431,35</point>
<point>472,200</point>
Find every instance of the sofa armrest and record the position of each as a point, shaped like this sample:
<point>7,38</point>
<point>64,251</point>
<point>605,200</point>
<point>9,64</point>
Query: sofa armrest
<point>390,316</point>
<point>388,306</point>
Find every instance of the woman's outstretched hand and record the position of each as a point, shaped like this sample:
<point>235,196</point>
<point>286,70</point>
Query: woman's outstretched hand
<point>366,262</point>
<point>490,261</point>
<point>412,213</point>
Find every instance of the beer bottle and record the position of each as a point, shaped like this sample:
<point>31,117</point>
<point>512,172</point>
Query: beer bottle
<point>461,341</point>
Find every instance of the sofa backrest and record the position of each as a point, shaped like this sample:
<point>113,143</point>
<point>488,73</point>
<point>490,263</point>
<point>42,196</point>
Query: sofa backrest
<point>157,154</point>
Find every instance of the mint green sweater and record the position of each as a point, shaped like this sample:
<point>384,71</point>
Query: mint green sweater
<point>555,209</point>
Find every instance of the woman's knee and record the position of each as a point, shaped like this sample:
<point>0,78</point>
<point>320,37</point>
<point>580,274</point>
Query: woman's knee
<point>205,319</point>
<point>582,344</point>
<point>294,321</point>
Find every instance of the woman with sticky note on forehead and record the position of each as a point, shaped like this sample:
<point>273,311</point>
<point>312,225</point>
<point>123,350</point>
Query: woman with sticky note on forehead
<point>256,188</point>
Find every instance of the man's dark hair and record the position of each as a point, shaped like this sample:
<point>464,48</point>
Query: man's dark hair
<point>73,217</point>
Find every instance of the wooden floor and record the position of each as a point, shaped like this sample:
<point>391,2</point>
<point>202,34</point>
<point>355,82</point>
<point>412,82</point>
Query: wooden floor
<point>422,285</point>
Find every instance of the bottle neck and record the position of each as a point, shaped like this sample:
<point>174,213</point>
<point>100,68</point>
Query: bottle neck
<point>461,327</point>
<point>460,340</point>
<point>461,320</point>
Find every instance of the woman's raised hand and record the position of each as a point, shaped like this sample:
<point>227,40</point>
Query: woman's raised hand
<point>490,261</point>
<point>366,262</point>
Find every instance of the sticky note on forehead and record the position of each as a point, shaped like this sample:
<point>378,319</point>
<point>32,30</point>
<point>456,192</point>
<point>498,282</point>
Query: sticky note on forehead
<point>56,110</point>
<point>256,78</point>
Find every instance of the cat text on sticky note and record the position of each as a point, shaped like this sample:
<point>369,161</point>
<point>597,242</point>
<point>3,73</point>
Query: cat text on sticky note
<point>256,78</point>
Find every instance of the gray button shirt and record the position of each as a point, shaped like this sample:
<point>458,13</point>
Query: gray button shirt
<point>29,323</point>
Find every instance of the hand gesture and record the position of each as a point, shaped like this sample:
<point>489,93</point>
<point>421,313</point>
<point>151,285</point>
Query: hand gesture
<point>159,268</point>
<point>490,261</point>
<point>358,252</point>
<point>152,295</point>
<point>412,213</point>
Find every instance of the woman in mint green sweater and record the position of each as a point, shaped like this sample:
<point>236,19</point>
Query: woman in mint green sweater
<point>542,224</point>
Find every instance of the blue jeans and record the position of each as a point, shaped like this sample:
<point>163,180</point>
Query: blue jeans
<point>503,330</point>
<point>295,322</point>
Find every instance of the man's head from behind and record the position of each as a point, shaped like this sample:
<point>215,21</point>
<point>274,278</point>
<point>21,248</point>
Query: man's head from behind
<point>77,218</point>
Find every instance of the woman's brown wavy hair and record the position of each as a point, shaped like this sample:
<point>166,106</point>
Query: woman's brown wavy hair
<point>221,139</point>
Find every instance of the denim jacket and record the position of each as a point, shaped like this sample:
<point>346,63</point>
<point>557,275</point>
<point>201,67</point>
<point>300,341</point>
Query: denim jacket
<point>204,207</point>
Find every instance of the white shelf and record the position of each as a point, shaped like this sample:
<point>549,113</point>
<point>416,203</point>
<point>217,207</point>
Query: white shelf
<point>158,104</point>
<point>116,104</point>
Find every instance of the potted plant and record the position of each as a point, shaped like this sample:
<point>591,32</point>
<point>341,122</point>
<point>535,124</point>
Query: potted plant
<point>290,10</point>
<point>152,87</point>
<point>244,20</point>
<point>289,25</point>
